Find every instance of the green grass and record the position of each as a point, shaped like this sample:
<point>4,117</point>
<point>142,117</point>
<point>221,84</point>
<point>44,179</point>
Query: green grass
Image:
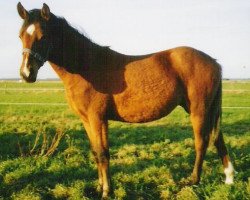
<point>148,161</point>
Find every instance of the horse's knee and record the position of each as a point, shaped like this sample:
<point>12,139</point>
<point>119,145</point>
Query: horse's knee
<point>101,156</point>
<point>102,159</point>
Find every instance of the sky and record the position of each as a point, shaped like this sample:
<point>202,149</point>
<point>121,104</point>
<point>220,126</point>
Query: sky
<point>220,28</point>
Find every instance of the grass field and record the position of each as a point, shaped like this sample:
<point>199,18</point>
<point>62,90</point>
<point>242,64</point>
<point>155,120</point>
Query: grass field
<point>148,161</point>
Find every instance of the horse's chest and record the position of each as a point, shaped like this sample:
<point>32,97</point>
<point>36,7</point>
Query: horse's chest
<point>77,101</point>
<point>87,102</point>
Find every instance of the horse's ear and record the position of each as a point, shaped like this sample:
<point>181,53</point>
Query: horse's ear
<point>22,12</point>
<point>45,12</point>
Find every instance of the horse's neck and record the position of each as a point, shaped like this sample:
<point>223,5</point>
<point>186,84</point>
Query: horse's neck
<point>72,57</point>
<point>85,62</point>
<point>69,80</point>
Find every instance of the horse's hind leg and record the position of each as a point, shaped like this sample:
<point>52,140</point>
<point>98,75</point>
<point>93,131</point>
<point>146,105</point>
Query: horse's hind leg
<point>203,126</point>
<point>222,151</point>
<point>201,137</point>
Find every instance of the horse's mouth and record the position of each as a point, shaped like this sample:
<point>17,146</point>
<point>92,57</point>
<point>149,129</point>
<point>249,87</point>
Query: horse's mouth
<point>30,79</point>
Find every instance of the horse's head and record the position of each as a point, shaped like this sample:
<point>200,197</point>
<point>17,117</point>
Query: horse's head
<point>34,36</point>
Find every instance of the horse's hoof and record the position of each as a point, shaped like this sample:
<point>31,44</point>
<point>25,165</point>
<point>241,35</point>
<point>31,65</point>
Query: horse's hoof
<point>191,180</point>
<point>105,195</point>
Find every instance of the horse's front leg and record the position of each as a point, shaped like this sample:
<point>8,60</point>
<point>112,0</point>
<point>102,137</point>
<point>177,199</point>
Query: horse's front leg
<point>98,137</point>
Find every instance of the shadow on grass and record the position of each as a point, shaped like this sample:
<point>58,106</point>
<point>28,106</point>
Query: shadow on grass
<point>44,181</point>
<point>118,137</point>
<point>147,135</point>
<point>238,128</point>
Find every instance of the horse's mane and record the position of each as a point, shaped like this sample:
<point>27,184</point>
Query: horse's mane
<point>69,28</point>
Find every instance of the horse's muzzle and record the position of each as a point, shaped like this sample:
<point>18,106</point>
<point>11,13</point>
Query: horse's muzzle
<point>29,79</point>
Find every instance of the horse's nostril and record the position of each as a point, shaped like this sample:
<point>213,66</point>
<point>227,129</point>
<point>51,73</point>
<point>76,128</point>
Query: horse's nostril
<point>31,71</point>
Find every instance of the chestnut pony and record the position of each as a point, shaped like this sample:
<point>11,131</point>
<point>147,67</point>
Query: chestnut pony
<point>103,85</point>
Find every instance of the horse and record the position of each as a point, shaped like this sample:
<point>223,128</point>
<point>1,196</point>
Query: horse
<point>102,84</point>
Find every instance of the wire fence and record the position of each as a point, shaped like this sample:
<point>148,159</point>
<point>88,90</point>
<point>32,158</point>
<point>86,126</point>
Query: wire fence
<point>62,89</point>
<point>65,104</point>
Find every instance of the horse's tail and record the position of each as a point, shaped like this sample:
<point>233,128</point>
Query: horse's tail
<point>215,114</point>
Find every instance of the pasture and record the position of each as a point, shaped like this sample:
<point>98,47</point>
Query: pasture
<point>148,161</point>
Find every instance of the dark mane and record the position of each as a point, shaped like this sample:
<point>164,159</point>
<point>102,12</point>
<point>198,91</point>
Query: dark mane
<point>67,42</point>
<point>58,22</point>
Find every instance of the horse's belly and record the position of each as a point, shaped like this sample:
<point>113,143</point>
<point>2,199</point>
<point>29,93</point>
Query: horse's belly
<point>145,104</point>
<point>151,91</point>
<point>144,110</point>
<point>140,116</point>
